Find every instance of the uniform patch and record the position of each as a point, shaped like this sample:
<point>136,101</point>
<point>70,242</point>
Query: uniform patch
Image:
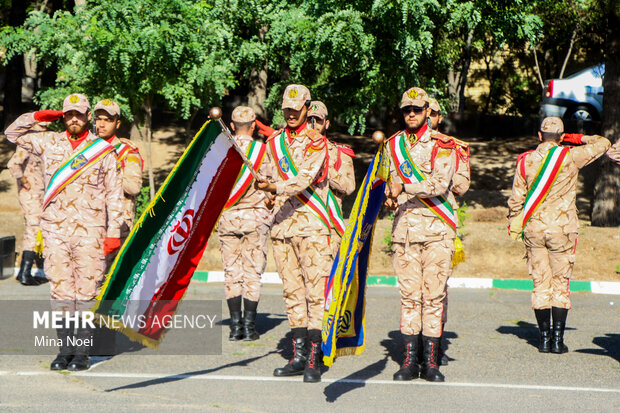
<point>292,93</point>
<point>74,99</point>
<point>412,93</point>
<point>284,165</point>
<point>78,162</point>
<point>106,102</point>
<point>443,152</point>
<point>406,169</point>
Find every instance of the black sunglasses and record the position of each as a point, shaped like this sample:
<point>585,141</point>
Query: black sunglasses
<point>416,109</point>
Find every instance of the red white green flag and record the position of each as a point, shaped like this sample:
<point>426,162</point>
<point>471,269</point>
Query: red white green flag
<point>157,261</point>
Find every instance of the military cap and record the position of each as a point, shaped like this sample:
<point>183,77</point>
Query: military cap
<point>552,124</point>
<point>414,97</point>
<point>109,106</point>
<point>76,101</point>
<point>318,110</point>
<point>295,97</point>
<point>243,114</point>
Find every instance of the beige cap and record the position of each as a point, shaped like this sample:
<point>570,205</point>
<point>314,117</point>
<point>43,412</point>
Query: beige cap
<point>243,114</point>
<point>414,97</point>
<point>109,106</point>
<point>77,102</point>
<point>434,105</point>
<point>318,110</point>
<point>552,125</point>
<point>295,97</point>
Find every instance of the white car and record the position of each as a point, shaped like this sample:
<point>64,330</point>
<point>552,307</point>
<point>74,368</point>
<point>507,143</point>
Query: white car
<point>578,97</point>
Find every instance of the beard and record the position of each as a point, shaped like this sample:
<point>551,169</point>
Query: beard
<point>75,128</point>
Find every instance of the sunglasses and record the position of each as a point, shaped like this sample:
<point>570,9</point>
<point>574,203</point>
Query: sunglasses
<point>415,109</point>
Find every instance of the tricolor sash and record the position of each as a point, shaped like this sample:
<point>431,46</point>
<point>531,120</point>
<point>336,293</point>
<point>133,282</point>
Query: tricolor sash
<point>256,154</point>
<point>287,169</point>
<point>335,213</point>
<point>74,167</point>
<point>545,177</point>
<point>410,173</point>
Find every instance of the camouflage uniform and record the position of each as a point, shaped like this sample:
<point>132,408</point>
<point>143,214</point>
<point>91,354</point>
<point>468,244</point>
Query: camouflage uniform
<point>301,242</point>
<point>551,234</point>
<point>25,164</point>
<point>131,172</point>
<point>423,244</point>
<point>243,230</point>
<point>77,220</point>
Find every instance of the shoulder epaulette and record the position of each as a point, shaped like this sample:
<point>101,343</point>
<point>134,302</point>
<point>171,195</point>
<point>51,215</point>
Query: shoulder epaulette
<point>395,135</point>
<point>520,163</point>
<point>460,143</point>
<point>442,137</point>
<point>133,146</point>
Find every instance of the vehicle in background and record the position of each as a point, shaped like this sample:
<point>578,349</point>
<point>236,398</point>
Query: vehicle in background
<point>578,97</point>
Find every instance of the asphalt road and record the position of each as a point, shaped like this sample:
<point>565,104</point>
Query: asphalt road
<point>494,367</point>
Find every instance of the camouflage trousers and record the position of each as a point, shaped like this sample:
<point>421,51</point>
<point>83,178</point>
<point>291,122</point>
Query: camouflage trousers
<point>423,269</point>
<point>30,201</point>
<point>244,257</point>
<point>74,267</point>
<point>304,264</point>
<point>550,261</point>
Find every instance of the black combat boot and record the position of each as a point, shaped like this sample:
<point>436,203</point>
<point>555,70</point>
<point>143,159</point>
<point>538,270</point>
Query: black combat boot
<point>81,360</point>
<point>40,262</point>
<point>65,355</point>
<point>559,323</point>
<point>236,329</point>
<point>312,371</point>
<point>409,370</point>
<point>297,363</point>
<point>543,317</point>
<point>430,368</point>
<point>24,276</point>
<point>249,320</point>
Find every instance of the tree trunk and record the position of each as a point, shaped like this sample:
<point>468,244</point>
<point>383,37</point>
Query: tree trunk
<point>537,67</point>
<point>465,71</point>
<point>569,52</point>
<point>258,85</point>
<point>14,70</point>
<point>606,201</point>
<point>146,134</point>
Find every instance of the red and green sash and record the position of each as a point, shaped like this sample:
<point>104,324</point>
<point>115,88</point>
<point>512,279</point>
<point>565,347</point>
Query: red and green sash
<point>545,177</point>
<point>279,149</point>
<point>74,167</point>
<point>335,213</point>
<point>256,154</point>
<point>410,173</point>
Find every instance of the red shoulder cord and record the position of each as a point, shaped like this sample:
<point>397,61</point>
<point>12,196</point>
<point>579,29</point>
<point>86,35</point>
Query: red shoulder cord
<point>347,151</point>
<point>318,145</point>
<point>440,144</point>
<point>521,162</point>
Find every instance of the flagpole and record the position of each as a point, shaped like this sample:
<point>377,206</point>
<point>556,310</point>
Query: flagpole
<point>216,114</point>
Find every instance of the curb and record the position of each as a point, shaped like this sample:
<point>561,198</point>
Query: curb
<point>595,287</point>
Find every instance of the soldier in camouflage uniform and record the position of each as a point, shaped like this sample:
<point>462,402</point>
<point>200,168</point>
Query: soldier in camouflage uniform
<point>81,220</point>
<point>341,173</point>
<point>243,230</point>
<point>550,235</point>
<point>107,122</point>
<point>460,184</point>
<point>27,169</point>
<point>423,243</point>
<point>301,240</point>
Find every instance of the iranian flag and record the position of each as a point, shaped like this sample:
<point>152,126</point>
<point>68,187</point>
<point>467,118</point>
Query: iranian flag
<point>155,264</point>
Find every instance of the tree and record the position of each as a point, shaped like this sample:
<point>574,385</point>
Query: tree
<point>132,51</point>
<point>606,201</point>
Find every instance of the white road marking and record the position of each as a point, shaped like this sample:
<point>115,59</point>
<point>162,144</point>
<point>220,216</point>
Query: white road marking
<point>214,377</point>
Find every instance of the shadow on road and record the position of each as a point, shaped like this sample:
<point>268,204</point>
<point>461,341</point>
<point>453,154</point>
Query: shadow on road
<point>354,380</point>
<point>183,376</point>
<point>609,346</point>
<point>264,322</point>
<point>525,331</point>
